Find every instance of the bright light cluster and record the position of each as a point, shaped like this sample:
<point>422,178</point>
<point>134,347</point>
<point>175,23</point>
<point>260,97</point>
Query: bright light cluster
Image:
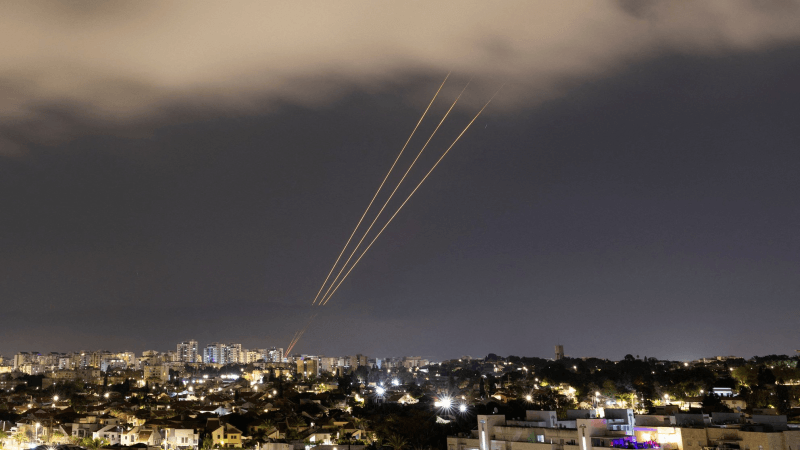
<point>444,403</point>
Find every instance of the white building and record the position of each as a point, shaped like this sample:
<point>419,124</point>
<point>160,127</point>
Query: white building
<point>187,351</point>
<point>181,439</point>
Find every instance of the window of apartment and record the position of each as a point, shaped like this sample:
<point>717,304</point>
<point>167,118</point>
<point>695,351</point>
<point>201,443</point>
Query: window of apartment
<point>539,438</point>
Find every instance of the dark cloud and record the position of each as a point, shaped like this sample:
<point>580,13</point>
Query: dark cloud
<point>134,63</point>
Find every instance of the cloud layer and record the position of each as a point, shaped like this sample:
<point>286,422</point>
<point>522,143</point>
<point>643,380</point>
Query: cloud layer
<point>70,68</point>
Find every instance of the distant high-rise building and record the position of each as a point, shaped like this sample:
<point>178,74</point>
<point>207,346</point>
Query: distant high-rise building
<point>214,353</point>
<point>274,355</point>
<point>358,361</point>
<point>217,353</point>
<point>414,361</point>
<point>559,352</point>
<point>233,354</point>
<point>187,351</point>
<point>308,366</point>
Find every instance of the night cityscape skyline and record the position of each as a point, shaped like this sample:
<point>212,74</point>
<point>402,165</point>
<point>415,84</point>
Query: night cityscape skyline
<point>363,225</point>
<point>632,189</point>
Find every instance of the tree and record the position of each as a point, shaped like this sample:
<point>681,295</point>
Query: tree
<point>292,434</point>
<point>208,442</point>
<point>765,377</point>
<point>346,438</point>
<point>396,442</point>
<point>265,427</point>
<point>783,399</point>
<point>713,403</point>
<point>93,444</point>
<point>57,436</point>
<point>20,437</point>
<point>3,436</point>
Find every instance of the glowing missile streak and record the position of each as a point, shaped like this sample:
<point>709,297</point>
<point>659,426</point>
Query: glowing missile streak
<point>353,253</point>
<point>299,334</point>
<point>409,197</point>
<point>294,340</point>
<point>338,258</point>
<point>291,343</point>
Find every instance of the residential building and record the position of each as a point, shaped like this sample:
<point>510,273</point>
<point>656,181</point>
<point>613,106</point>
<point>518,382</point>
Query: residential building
<point>227,436</point>
<point>307,366</point>
<point>187,351</point>
<point>181,439</point>
<point>111,433</point>
<point>157,374</point>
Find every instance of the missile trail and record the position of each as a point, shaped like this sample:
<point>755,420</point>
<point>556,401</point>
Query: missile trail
<point>379,189</point>
<point>325,300</point>
<point>291,343</point>
<point>393,192</point>
<point>299,334</point>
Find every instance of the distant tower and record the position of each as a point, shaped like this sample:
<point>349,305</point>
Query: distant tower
<point>187,351</point>
<point>559,352</point>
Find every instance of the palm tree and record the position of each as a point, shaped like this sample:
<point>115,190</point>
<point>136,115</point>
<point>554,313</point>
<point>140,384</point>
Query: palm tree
<point>93,444</point>
<point>265,427</point>
<point>348,438</point>
<point>360,423</point>
<point>292,434</point>
<point>57,436</point>
<point>396,442</point>
<point>20,438</point>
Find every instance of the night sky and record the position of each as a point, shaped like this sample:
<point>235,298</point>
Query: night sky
<point>171,171</point>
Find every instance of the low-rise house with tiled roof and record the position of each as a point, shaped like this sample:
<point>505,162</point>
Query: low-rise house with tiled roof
<point>181,438</point>
<point>227,436</point>
<point>85,426</point>
<point>142,434</point>
<point>111,433</point>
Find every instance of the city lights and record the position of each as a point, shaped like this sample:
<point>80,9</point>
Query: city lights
<point>444,402</point>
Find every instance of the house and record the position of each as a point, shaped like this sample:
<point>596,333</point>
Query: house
<point>227,436</point>
<point>142,435</point>
<point>181,438</point>
<point>111,433</point>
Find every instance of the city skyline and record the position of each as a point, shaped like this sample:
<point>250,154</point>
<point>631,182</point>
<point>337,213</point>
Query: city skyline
<point>632,189</point>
